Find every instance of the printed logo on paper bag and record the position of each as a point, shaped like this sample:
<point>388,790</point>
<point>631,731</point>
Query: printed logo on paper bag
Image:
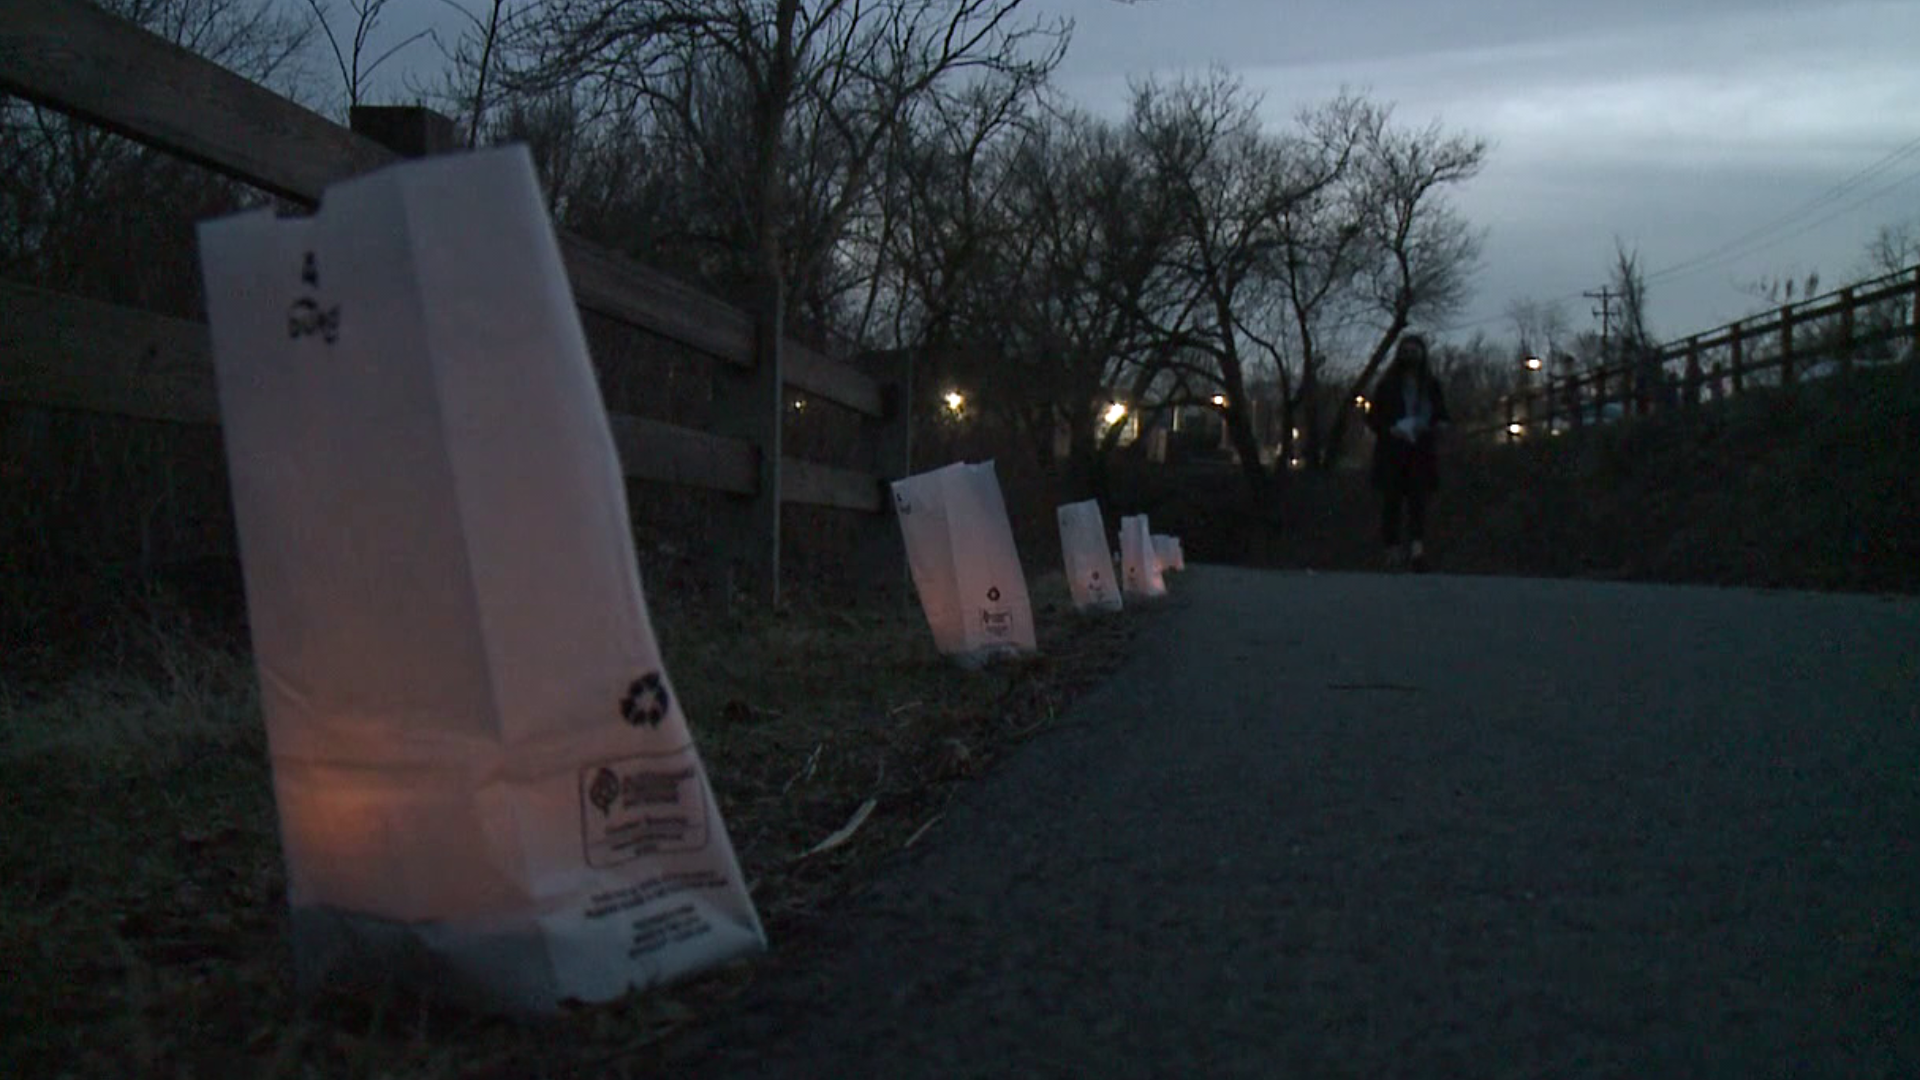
<point>646,701</point>
<point>997,621</point>
<point>307,317</point>
<point>639,806</point>
<point>604,790</point>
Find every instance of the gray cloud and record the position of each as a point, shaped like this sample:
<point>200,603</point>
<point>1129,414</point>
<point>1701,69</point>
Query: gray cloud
<point>1675,127</point>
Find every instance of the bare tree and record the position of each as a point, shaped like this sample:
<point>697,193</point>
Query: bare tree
<point>88,211</point>
<point>1322,245</point>
<point>1475,373</point>
<point>91,213</point>
<point>1539,325</point>
<point>1629,284</point>
<point>1230,187</point>
<point>1025,259</point>
<point>1423,253</point>
<point>355,59</point>
<point>784,109</point>
<point>471,63</point>
<point>1773,290</point>
<point>1895,248</point>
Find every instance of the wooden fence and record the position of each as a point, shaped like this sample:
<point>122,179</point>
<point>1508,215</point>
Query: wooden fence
<point>70,353</point>
<point>1816,337</point>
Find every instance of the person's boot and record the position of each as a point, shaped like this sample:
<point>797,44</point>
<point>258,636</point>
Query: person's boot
<point>1418,559</point>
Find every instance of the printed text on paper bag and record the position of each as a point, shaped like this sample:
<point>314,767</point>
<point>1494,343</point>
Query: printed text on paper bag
<point>639,806</point>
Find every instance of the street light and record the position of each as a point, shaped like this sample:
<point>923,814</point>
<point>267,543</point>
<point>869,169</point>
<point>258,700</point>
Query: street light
<point>1533,363</point>
<point>1115,413</point>
<point>955,401</point>
<point>1516,429</point>
<point>1220,400</point>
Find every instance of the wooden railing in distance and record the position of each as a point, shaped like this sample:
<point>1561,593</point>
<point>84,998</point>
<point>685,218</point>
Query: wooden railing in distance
<point>1790,329</point>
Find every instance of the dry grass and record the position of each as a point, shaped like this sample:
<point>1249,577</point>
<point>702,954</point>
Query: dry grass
<point>142,902</point>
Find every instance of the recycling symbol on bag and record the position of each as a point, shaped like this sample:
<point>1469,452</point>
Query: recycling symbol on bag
<point>646,701</point>
<point>604,790</point>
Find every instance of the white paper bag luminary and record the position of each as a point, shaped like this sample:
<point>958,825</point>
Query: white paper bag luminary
<point>1166,549</point>
<point>965,568</point>
<point>484,780</point>
<point>1083,550</point>
<point>1139,569</point>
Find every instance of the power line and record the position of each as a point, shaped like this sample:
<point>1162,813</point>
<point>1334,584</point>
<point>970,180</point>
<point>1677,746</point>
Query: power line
<point>1817,222</point>
<point>1750,242</point>
<point>1732,248</point>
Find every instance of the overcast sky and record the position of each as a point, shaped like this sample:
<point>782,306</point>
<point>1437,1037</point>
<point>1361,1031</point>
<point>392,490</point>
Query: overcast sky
<point>1679,126</point>
<point>1737,129</point>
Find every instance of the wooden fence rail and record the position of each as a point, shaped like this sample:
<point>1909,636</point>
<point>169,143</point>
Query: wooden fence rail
<point>70,353</point>
<point>1778,348</point>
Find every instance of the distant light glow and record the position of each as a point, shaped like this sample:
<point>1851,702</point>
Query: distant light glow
<point>1533,363</point>
<point>955,401</point>
<point>1220,400</point>
<point>1516,429</point>
<point>1115,413</point>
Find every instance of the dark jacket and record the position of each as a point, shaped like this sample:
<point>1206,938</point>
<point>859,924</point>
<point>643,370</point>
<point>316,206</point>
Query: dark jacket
<point>1397,464</point>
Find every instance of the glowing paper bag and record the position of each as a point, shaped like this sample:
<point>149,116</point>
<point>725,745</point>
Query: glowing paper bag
<point>1140,571</point>
<point>485,782</point>
<point>1166,550</point>
<point>964,564</point>
<point>1083,548</point>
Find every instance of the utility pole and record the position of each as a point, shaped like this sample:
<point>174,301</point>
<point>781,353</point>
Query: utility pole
<point>1605,312</point>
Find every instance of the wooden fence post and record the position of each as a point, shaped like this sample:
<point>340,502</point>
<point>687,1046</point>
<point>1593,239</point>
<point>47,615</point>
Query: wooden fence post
<point>1691,399</point>
<point>407,130</point>
<point>1786,345</point>
<point>879,553</point>
<point>748,404</point>
<point>1913,323</point>
<point>1846,330</point>
<point>1734,358</point>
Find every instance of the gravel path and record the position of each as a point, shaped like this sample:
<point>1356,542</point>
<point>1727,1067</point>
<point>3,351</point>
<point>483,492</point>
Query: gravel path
<point>1372,826</point>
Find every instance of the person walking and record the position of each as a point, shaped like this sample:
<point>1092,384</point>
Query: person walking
<point>1406,413</point>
